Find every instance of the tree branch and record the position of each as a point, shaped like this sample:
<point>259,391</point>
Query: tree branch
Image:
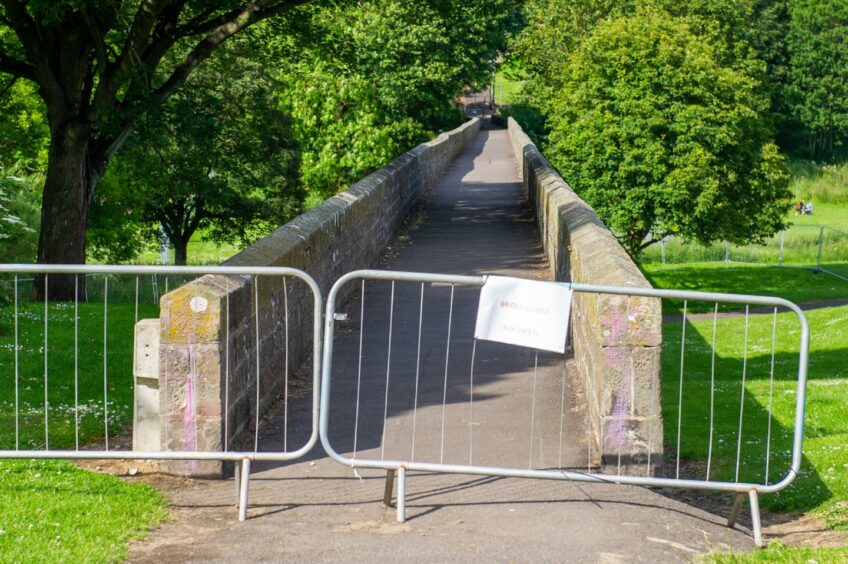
<point>196,25</point>
<point>100,49</point>
<point>252,13</point>
<point>113,76</point>
<point>18,69</point>
<point>29,33</point>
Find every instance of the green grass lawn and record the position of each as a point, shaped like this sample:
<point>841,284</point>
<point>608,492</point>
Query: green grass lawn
<point>796,285</point>
<point>822,487</point>
<point>200,252</point>
<point>506,89</point>
<point>67,420</point>
<point>56,512</point>
<point>778,552</point>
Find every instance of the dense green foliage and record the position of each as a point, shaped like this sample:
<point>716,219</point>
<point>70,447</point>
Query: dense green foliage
<point>666,115</point>
<point>364,83</point>
<point>217,157</point>
<point>817,89</point>
<point>287,112</point>
<point>662,138</point>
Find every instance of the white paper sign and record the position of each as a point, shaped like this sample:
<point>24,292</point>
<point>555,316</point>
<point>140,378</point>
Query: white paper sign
<point>529,313</point>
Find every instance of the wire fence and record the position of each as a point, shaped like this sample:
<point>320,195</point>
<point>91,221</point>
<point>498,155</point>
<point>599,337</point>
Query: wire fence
<point>819,247</point>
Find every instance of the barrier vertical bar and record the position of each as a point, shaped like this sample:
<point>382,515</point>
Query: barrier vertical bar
<point>46,399</point>
<point>445,389</point>
<point>17,372</point>
<point>359,366</point>
<point>76,361</point>
<point>417,371</point>
<point>680,390</point>
<point>388,371</point>
<point>771,392</point>
<point>106,358</point>
<point>742,396</point>
<point>533,407</point>
<point>712,393</point>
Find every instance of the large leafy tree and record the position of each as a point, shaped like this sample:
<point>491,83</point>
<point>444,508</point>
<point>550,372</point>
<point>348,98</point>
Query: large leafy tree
<point>217,157</point>
<point>99,65</point>
<point>661,137</point>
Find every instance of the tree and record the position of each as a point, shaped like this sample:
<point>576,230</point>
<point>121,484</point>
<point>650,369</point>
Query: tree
<point>99,66</point>
<point>217,157</point>
<point>661,138</point>
<point>818,75</point>
<point>367,82</point>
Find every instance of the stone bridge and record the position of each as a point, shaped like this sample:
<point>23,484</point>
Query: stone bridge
<point>491,204</point>
<point>500,173</point>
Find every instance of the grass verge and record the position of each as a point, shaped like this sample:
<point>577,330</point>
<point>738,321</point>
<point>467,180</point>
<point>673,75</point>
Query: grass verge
<point>56,512</point>
<point>796,285</point>
<point>822,486</point>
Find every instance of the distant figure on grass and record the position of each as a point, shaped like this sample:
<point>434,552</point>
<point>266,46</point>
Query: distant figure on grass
<point>800,207</point>
<point>808,209</point>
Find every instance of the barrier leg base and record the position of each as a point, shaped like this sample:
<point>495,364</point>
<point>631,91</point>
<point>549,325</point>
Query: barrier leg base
<point>390,488</point>
<point>401,495</point>
<point>756,523</point>
<point>737,506</point>
<point>237,480</point>
<point>244,484</point>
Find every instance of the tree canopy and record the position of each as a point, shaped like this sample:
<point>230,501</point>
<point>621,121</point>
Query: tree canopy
<point>659,114</point>
<point>354,85</point>
<point>99,66</point>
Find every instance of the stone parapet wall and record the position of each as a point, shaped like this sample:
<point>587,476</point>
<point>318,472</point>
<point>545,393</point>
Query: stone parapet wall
<point>213,350</point>
<point>617,340</point>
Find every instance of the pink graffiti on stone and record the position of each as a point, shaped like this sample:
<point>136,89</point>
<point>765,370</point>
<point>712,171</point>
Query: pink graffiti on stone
<point>189,427</point>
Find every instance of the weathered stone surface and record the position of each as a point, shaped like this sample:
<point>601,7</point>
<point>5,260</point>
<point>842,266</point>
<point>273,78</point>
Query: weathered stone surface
<point>616,339</point>
<point>222,336</point>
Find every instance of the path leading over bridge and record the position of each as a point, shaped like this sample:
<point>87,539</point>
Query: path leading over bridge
<point>476,221</point>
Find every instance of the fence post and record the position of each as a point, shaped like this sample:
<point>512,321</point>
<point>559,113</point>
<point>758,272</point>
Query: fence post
<point>821,243</point>
<point>726,251</point>
<point>780,256</point>
<point>662,251</point>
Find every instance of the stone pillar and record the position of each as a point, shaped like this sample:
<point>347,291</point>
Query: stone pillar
<point>190,375</point>
<point>146,432</point>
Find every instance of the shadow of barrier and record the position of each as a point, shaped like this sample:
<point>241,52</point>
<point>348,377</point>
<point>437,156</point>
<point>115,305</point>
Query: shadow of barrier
<point>411,389</point>
<point>193,378</point>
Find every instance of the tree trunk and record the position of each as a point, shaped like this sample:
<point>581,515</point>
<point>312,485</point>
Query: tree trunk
<point>180,251</point>
<point>67,194</point>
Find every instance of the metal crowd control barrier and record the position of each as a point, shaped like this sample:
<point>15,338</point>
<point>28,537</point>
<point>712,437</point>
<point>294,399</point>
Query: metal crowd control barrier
<point>65,400</point>
<point>382,409</point>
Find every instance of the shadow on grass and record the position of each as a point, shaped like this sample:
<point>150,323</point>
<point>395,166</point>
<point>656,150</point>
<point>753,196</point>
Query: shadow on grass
<point>750,438</point>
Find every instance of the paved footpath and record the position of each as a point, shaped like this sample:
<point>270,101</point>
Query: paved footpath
<point>316,510</point>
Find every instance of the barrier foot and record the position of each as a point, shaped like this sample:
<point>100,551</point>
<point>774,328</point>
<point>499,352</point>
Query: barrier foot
<point>734,513</point>
<point>244,483</point>
<point>756,523</point>
<point>401,495</point>
<point>390,488</point>
<point>237,480</point>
